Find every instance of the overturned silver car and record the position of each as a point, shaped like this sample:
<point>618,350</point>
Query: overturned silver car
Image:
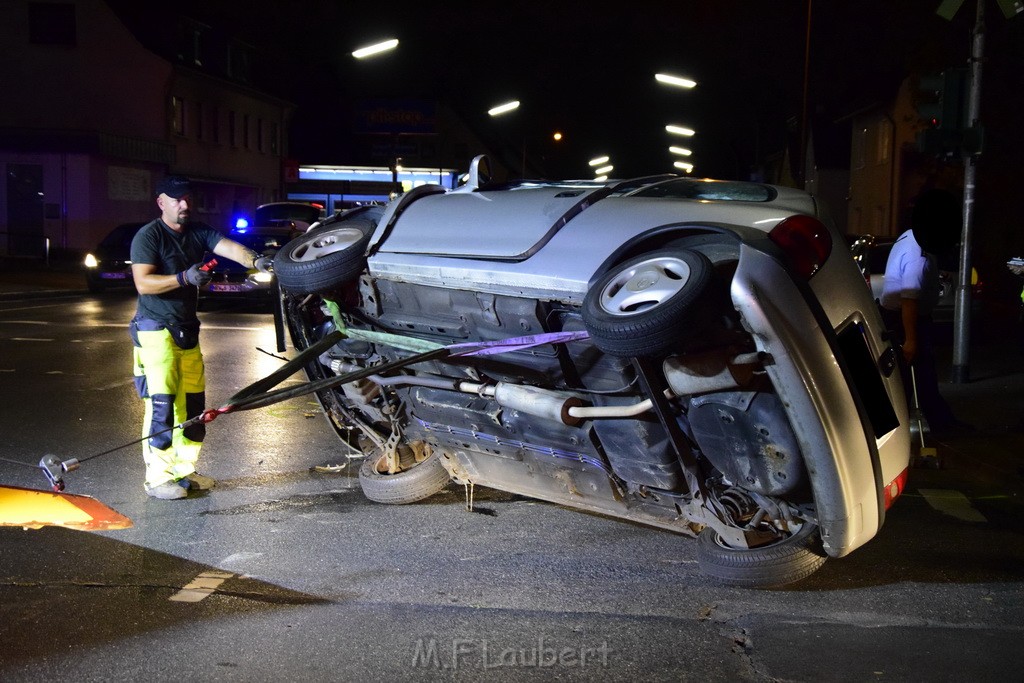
<point>696,355</point>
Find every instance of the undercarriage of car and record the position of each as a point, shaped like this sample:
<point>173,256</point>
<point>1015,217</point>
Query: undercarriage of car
<point>655,399</point>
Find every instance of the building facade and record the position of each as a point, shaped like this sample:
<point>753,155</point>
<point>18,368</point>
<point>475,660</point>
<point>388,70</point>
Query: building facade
<point>96,117</point>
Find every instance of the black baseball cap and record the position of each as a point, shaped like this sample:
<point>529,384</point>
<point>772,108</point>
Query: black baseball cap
<point>175,186</point>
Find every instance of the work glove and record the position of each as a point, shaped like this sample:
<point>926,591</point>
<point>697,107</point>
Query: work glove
<point>196,276</point>
<point>264,264</point>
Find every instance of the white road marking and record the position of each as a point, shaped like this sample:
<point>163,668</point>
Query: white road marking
<point>30,339</point>
<point>201,586</point>
<point>952,503</point>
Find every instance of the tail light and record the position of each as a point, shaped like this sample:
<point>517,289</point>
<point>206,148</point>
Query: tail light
<point>895,487</point>
<point>806,242</point>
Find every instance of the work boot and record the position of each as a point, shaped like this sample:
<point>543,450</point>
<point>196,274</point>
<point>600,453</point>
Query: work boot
<point>167,491</point>
<point>198,482</point>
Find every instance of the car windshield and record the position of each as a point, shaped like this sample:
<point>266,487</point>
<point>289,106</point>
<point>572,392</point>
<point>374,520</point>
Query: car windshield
<point>688,188</point>
<point>121,236</point>
<point>281,214</point>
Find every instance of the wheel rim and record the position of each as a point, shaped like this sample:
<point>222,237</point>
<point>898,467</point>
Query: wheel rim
<point>644,285</point>
<point>327,243</point>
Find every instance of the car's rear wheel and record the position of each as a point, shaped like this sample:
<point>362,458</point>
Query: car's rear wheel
<point>644,306</point>
<point>785,561</point>
<point>413,483</point>
<point>325,257</point>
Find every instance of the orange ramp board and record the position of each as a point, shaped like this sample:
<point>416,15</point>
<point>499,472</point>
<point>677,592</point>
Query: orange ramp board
<point>34,509</point>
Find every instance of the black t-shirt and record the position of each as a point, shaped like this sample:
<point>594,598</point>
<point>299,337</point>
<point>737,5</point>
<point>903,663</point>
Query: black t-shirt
<point>171,252</point>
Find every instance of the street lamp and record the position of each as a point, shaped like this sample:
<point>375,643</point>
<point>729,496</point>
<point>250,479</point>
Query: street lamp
<point>683,165</point>
<point>677,81</point>
<point>503,108</point>
<point>680,130</point>
<point>598,161</point>
<point>376,48</point>
<point>681,151</point>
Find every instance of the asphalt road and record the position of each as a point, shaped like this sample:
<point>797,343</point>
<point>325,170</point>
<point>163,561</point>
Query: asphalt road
<point>306,579</point>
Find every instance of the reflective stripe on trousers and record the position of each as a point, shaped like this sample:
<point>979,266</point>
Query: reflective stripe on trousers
<point>172,381</point>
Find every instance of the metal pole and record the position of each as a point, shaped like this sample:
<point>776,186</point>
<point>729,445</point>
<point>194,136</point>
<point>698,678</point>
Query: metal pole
<point>804,125</point>
<point>959,373</point>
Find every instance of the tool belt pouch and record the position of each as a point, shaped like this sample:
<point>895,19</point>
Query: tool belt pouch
<point>185,335</point>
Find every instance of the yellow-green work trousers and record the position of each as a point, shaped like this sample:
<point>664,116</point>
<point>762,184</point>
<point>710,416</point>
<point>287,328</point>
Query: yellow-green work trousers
<point>172,382</point>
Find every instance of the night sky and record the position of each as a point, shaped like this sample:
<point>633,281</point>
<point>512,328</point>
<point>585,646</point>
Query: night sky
<point>588,71</point>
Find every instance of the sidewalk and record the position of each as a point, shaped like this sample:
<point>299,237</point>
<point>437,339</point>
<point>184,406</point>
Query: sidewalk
<point>32,278</point>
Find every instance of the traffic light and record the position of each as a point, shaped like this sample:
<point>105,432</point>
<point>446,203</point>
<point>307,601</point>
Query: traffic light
<point>929,98</point>
<point>942,101</point>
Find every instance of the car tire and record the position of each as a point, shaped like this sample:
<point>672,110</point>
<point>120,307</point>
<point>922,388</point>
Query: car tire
<point>786,561</point>
<point>325,257</point>
<point>419,481</point>
<point>644,306</point>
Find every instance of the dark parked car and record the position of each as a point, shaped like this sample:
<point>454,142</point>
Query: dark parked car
<point>109,265</point>
<point>272,226</point>
<point>234,281</point>
<point>296,215</point>
<point>695,355</point>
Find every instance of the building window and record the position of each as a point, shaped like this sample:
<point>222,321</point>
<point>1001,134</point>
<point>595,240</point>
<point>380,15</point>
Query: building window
<point>52,23</point>
<point>240,61</point>
<point>246,143</point>
<point>190,41</point>
<point>177,115</point>
<point>260,145</point>
<point>884,139</point>
<point>215,125</point>
<point>274,134</point>
<point>200,121</point>
<point>233,128</point>
<point>859,147</point>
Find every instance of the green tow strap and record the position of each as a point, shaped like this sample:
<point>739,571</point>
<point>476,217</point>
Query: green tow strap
<point>394,340</point>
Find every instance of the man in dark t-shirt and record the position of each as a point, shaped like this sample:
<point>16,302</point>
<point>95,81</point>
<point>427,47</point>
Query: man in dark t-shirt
<point>169,372</point>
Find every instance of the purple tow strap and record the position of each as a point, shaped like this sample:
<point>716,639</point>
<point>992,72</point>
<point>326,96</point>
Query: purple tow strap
<point>515,343</point>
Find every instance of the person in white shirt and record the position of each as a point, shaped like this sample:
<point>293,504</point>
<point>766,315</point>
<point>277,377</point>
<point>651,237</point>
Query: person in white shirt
<point>910,293</point>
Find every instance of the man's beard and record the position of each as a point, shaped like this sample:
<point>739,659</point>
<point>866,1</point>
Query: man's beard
<point>183,217</point>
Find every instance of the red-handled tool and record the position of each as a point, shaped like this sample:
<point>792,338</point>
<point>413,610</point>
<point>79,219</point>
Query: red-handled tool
<point>208,266</point>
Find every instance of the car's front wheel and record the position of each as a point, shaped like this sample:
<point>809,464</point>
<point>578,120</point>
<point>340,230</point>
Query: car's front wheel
<point>787,560</point>
<point>644,306</point>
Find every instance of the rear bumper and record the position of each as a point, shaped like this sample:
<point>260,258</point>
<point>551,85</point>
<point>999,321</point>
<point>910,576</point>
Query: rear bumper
<point>849,464</point>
